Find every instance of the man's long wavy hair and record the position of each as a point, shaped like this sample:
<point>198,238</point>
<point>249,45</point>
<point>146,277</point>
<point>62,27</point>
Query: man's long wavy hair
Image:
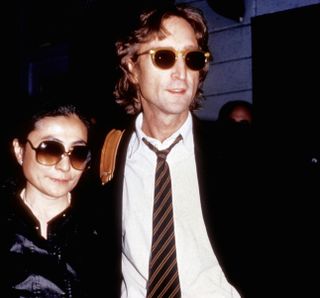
<point>150,25</point>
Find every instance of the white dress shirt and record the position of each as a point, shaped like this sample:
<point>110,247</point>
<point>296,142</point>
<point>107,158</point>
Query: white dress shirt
<point>199,271</point>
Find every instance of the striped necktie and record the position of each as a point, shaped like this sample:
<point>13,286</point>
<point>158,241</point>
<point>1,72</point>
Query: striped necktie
<point>163,269</point>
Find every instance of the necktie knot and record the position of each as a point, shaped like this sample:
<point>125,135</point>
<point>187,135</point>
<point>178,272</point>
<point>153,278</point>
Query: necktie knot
<point>162,154</point>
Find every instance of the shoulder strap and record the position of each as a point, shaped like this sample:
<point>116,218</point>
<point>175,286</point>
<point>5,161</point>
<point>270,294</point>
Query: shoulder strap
<point>109,154</point>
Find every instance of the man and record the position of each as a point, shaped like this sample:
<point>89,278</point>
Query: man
<point>163,63</point>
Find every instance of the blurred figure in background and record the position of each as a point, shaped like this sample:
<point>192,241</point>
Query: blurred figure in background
<point>235,123</point>
<point>237,111</point>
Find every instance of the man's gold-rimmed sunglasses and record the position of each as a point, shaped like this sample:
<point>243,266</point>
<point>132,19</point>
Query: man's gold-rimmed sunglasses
<point>165,58</point>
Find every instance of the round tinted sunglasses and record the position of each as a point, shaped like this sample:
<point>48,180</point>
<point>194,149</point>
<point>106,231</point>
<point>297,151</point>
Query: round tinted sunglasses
<point>49,153</point>
<point>165,58</point>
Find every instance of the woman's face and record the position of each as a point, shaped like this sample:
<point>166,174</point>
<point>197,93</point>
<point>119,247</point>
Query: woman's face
<point>57,180</point>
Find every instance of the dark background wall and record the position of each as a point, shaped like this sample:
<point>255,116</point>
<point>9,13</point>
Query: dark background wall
<point>286,98</point>
<point>285,82</point>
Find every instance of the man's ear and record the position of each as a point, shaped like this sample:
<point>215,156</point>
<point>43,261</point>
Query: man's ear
<point>18,150</point>
<point>132,73</point>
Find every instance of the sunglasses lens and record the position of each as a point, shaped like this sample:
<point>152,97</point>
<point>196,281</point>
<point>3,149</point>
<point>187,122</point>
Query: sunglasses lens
<point>196,60</point>
<point>79,157</point>
<point>49,153</point>
<point>164,59</point>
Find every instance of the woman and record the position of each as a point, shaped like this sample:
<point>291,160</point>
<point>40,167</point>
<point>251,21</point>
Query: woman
<point>50,246</point>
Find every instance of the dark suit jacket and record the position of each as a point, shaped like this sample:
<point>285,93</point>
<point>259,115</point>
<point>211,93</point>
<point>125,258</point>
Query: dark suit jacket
<point>230,212</point>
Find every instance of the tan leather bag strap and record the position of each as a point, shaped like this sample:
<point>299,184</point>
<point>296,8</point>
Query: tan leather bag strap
<point>109,154</point>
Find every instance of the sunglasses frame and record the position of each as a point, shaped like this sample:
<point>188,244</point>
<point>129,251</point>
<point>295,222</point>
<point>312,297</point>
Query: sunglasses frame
<point>183,53</point>
<point>65,153</point>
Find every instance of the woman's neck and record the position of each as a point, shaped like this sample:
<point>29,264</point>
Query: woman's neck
<point>45,209</point>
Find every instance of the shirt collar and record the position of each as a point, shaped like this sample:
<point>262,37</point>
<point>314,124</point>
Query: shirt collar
<point>185,130</point>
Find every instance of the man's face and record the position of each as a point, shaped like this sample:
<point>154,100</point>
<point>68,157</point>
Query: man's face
<point>168,91</point>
